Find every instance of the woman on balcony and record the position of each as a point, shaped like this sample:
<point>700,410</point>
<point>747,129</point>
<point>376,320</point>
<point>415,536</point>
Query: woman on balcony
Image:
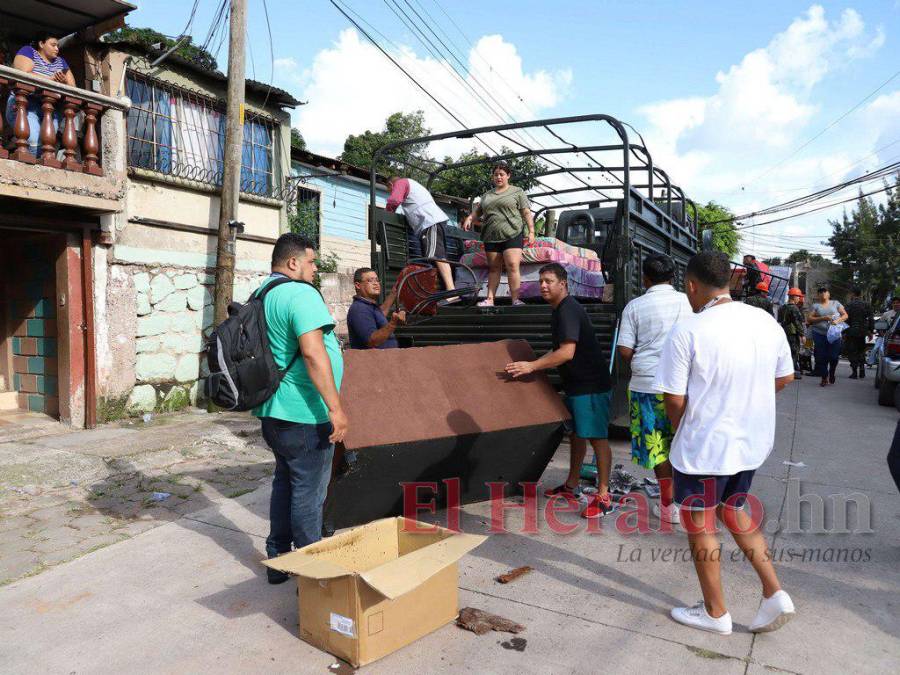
<point>41,59</point>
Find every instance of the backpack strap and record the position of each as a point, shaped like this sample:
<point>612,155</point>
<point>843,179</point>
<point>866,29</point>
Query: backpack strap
<point>261,296</point>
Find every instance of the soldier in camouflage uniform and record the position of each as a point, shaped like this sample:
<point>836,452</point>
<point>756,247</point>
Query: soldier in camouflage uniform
<point>860,324</point>
<point>759,297</point>
<point>791,319</point>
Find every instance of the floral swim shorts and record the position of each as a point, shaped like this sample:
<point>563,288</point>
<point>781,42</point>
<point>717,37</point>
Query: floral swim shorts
<point>651,431</point>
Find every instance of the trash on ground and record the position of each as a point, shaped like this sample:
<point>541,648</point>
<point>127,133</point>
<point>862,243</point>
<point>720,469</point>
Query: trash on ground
<point>514,574</point>
<point>160,496</point>
<point>73,483</point>
<point>652,491</point>
<point>480,622</point>
<point>788,463</point>
<point>621,482</point>
<point>147,418</point>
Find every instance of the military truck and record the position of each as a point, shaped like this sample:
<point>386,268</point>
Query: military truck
<point>636,211</point>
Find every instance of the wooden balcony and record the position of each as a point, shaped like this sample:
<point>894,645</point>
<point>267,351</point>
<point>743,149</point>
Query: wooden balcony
<point>70,123</point>
<point>80,136</point>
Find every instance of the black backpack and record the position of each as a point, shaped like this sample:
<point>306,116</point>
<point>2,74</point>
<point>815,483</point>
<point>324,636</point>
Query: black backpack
<point>242,370</point>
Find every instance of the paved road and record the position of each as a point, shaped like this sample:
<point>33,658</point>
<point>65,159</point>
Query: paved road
<point>189,594</point>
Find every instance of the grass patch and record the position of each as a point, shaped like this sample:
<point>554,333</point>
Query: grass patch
<point>112,409</point>
<point>238,493</point>
<point>707,653</point>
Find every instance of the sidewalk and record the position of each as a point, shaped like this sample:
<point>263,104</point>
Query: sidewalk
<point>190,595</point>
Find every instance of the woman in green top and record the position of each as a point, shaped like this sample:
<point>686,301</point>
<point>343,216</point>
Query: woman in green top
<point>504,214</point>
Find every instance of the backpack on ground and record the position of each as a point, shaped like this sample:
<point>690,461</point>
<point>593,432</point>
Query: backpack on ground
<point>242,369</point>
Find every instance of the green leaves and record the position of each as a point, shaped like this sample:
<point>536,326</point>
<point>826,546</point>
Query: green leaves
<point>720,219</point>
<point>865,245</point>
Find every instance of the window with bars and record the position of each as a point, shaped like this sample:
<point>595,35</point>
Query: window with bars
<point>177,132</point>
<point>306,219</point>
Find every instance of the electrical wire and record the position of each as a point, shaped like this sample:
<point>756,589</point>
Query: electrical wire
<point>827,128</point>
<point>819,208</point>
<point>487,90</point>
<point>436,52</point>
<point>882,172</point>
<point>455,117</point>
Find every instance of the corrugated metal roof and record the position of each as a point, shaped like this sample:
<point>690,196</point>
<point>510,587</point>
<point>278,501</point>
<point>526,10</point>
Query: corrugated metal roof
<point>59,16</point>
<point>274,94</point>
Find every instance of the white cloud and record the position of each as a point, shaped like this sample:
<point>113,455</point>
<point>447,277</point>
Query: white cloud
<point>721,146</point>
<point>352,87</point>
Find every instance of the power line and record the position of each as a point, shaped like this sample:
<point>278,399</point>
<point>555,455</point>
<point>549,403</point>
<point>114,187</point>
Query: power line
<point>830,126</point>
<point>819,208</point>
<point>408,75</point>
<point>438,54</point>
<point>882,172</point>
<point>493,98</point>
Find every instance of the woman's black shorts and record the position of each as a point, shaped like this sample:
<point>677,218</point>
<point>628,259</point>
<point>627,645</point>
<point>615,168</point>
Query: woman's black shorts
<point>500,246</point>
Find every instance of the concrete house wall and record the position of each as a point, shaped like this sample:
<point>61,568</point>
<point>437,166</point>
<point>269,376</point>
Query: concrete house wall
<point>154,275</point>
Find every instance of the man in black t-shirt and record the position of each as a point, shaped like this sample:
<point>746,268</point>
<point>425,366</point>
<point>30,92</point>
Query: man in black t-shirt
<point>585,378</point>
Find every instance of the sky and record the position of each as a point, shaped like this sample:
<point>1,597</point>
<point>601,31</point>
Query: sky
<point>749,104</point>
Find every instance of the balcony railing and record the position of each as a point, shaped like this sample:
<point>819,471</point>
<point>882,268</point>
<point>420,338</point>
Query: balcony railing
<point>61,111</point>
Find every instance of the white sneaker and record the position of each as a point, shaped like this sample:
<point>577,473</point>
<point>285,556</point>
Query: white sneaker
<point>669,514</point>
<point>773,613</point>
<point>698,617</point>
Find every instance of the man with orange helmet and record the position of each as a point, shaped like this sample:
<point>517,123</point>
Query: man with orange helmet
<point>759,297</point>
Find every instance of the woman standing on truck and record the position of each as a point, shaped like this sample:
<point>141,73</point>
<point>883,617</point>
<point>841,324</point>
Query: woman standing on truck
<point>504,214</point>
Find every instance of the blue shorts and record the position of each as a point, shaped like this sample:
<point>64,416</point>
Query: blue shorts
<point>699,493</point>
<point>590,414</point>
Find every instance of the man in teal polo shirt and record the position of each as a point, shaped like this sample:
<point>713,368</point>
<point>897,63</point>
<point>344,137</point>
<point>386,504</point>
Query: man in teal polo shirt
<point>303,419</point>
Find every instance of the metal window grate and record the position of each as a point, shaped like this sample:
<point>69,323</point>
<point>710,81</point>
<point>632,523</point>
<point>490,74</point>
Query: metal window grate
<point>177,132</point>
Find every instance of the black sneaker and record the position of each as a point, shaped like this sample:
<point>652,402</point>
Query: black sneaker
<point>276,577</point>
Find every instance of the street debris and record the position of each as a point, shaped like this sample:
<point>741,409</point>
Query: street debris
<point>160,496</point>
<point>514,574</point>
<point>480,622</point>
<point>147,417</point>
<point>787,463</point>
<point>515,644</point>
<point>621,482</point>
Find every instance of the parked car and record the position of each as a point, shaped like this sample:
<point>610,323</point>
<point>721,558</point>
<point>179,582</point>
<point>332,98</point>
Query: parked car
<point>887,362</point>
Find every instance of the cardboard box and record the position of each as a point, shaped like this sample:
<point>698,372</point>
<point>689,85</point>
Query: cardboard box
<point>366,592</point>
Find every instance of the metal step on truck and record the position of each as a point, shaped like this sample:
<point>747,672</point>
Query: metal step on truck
<point>611,198</point>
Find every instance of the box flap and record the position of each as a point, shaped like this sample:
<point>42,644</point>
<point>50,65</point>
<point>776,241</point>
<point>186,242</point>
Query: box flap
<point>402,575</point>
<point>305,565</point>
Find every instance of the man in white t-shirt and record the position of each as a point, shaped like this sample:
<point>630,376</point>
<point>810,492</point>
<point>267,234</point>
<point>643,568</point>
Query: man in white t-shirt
<point>712,364</point>
<point>646,322</point>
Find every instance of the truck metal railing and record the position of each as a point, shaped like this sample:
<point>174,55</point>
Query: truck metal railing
<point>631,177</point>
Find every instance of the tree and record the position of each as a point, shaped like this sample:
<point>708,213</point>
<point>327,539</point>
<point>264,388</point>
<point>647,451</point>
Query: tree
<point>865,245</point>
<point>720,220</point>
<point>360,150</point>
<point>148,37</point>
<point>803,255</point>
<point>773,262</point>
<point>297,140</point>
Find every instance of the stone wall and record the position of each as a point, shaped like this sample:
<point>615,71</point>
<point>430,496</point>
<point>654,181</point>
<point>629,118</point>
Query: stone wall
<point>338,291</point>
<point>174,317</point>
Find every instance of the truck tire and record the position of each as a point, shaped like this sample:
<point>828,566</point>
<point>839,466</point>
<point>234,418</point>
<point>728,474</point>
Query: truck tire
<point>886,392</point>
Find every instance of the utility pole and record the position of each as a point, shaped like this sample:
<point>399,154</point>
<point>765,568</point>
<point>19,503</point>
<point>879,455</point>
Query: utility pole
<point>231,180</point>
